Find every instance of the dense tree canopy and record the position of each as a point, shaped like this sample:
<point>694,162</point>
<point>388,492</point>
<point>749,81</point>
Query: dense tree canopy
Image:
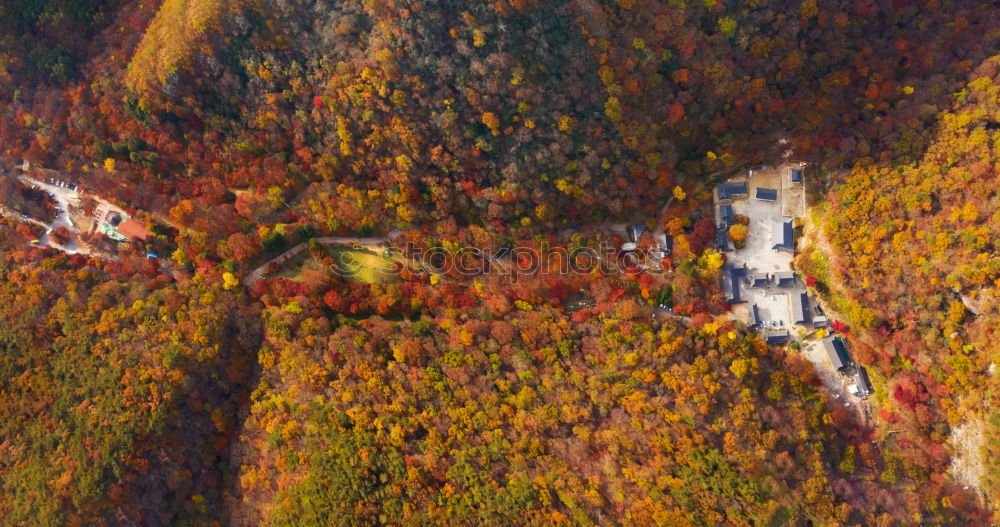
<point>918,271</point>
<point>238,366</point>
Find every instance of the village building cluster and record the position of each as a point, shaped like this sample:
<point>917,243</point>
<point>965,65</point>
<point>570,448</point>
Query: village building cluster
<point>72,206</point>
<point>119,227</point>
<point>758,279</point>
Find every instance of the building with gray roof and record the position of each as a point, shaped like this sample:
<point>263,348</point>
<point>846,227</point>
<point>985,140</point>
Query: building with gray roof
<point>754,315</point>
<point>634,231</point>
<point>785,278</point>
<point>837,352</point>
<point>731,278</point>
<point>800,308</point>
<point>782,237</point>
<point>767,194</point>
<point>758,279</point>
<point>730,190</point>
<point>726,214</point>
<point>776,336</point>
<point>862,386</point>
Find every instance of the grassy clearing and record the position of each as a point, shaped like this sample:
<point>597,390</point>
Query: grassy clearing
<point>358,265</point>
<point>349,264</point>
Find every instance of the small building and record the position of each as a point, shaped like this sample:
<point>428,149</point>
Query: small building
<point>122,229</point>
<point>726,214</point>
<point>781,235</point>
<point>776,336</point>
<point>634,231</point>
<point>785,278</point>
<point>721,239</point>
<point>133,230</point>
<point>862,385</point>
<point>767,194</point>
<point>665,243</point>
<point>819,319</point>
<point>756,279</point>
<point>731,278</point>
<point>796,176</point>
<point>837,352</point>
<point>730,190</point>
<point>800,308</point>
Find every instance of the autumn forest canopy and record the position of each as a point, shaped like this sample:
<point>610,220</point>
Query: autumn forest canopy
<point>216,306</point>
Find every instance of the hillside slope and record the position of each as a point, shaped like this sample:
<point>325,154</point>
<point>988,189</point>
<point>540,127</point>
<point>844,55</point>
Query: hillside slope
<point>918,254</point>
<point>158,385</point>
